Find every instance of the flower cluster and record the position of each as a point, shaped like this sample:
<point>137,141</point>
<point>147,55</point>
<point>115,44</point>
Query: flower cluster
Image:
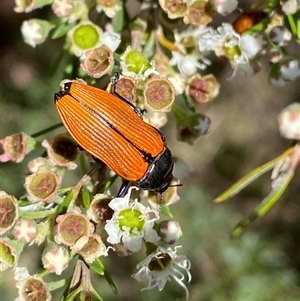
<point>72,222</point>
<point>162,51</point>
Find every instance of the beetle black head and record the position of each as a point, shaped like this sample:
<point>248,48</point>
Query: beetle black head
<point>159,174</point>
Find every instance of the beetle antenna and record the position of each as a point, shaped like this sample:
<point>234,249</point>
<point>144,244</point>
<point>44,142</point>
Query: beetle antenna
<point>176,185</point>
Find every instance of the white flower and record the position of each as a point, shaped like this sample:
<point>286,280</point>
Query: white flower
<point>188,54</point>
<point>187,64</point>
<point>131,223</point>
<point>250,46</point>
<point>161,265</point>
<point>239,50</point>
<point>210,40</point>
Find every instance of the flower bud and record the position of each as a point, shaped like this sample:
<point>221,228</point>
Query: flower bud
<point>126,87</point>
<point>289,122</point>
<point>170,232</point>
<point>157,200</point>
<point>42,186</point>
<point>275,55</point>
<point>35,31</point>
<point>289,7</point>
<point>80,11</point>
<point>26,6</point>
<point>98,61</point>
<point>84,36</point>
<point>175,9</point>
<point>157,119</point>
<point>99,211</point>
<point>25,230</point>
<point>71,226</point>
<point>159,94</point>
<point>284,72</point>
<point>9,212</point>
<point>62,8</point>
<point>225,7</point>
<point>90,247</point>
<point>136,65</point>
<point>33,288</point>
<point>55,259</point>
<point>110,7</point>
<point>280,36</point>
<point>16,147</point>
<point>190,127</point>
<point>38,163</point>
<point>8,254</point>
<point>202,89</point>
<point>62,151</point>
<point>199,13</point>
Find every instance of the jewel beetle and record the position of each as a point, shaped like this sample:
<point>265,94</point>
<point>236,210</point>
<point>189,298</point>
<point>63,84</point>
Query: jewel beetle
<point>111,129</point>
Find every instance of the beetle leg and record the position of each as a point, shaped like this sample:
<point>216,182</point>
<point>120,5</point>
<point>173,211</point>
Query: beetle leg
<point>123,189</point>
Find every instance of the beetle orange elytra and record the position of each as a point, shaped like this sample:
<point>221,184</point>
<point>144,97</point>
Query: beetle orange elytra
<point>111,130</point>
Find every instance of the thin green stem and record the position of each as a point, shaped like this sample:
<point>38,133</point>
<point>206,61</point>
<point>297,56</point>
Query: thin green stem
<point>47,130</point>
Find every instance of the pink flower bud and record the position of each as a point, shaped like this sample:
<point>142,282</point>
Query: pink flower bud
<point>9,212</point>
<point>289,122</point>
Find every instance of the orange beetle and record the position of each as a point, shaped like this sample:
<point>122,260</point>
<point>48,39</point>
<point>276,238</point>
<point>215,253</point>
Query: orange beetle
<point>110,128</point>
<point>247,20</point>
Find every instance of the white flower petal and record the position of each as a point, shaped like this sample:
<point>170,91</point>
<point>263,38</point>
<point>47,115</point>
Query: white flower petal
<point>151,235</point>
<point>113,231</point>
<point>250,46</point>
<point>111,39</point>
<point>133,244</point>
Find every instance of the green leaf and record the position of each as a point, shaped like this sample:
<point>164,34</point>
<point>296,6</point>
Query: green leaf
<point>37,214</point>
<point>118,19</point>
<point>250,177</point>
<point>47,130</point>
<point>150,45</point>
<point>242,225</point>
<point>96,296</point>
<point>74,293</point>
<point>109,183</point>
<point>257,3</point>
<point>86,197</point>
<point>62,208</point>
<point>54,285</point>
<point>259,27</point>
<point>61,30</point>
<point>268,202</point>
<point>97,267</point>
<point>265,205</point>
<point>166,211</point>
<point>98,263</point>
